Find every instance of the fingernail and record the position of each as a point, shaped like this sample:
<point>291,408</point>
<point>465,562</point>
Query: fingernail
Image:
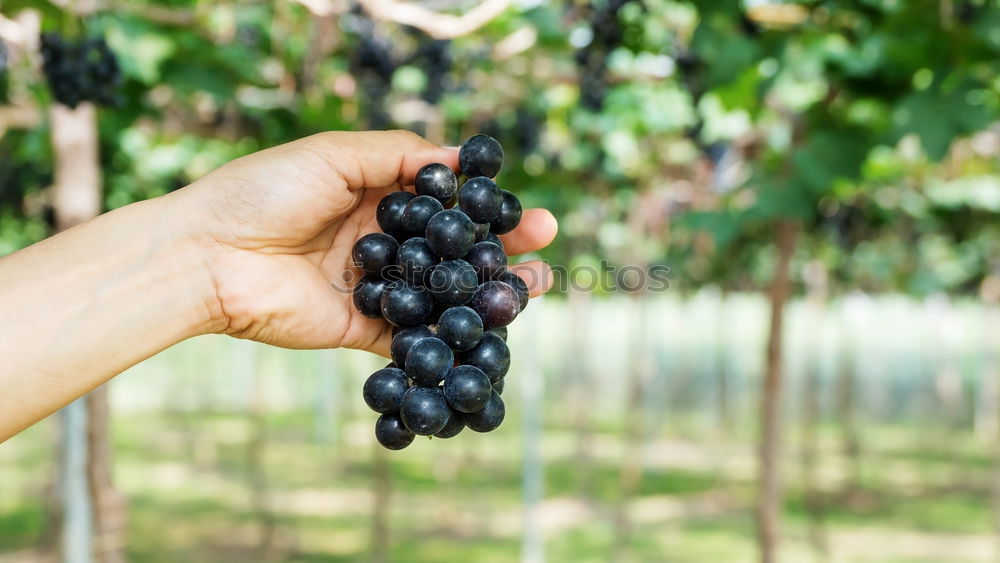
<point>451,147</point>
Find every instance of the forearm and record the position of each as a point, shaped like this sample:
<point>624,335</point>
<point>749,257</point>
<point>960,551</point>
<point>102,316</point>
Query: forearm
<point>88,303</point>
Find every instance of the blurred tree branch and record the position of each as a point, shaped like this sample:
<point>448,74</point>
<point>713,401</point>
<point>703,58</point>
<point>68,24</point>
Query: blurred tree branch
<point>436,24</point>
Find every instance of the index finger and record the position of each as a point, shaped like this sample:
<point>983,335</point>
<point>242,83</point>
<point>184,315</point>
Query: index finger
<point>379,159</point>
<point>538,227</point>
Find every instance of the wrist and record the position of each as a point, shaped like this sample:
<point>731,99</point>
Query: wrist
<point>187,265</point>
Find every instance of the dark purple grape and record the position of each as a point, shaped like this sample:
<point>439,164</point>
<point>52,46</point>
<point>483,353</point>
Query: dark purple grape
<point>487,419</point>
<point>519,285</point>
<point>403,340</point>
<point>510,214</point>
<point>466,388</point>
<point>499,385</point>
<point>417,213</point>
<point>488,260</point>
<point>415,260</point>
<point>452,427</point>
<point>389,214</point>
<point>368,296</point>
<point>424,410</point>
<point>480,155</point>
<point>492,237</point>
<point>460,328</point>
<point>383,391</point>
<point>482,231</point>
<point>453,282</point>
<point>495,302</point>
<point>405,305</point>
<point>450,234</point>
<point>501,332</point>
<point>439,182</point>
<point>374,253</point>
<point>491,355</point>
<point>480,199</point>
<point>428,361</point>
<point>391,432</point>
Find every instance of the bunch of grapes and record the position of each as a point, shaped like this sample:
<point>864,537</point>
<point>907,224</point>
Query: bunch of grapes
<point>592,60</point>
<point>80,71</point>
<point>435,59</point>
<point>438,273</point>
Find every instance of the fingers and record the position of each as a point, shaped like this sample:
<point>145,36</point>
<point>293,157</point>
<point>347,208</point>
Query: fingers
<point>378,159</point>
<point>537,229</point>
<point>382,342</point>
<point>536,274</point>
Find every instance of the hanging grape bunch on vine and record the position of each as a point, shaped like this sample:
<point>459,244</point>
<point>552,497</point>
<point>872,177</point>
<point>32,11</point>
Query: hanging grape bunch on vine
<point>438,273</point>
<point>607,34</point>
<point>81,70</point>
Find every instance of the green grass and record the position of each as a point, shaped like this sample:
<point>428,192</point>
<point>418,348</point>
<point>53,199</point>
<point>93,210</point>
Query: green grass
<point>188,480</point>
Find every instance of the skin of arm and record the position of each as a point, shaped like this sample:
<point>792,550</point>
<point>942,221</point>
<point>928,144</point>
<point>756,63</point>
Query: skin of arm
<point>249,250</point>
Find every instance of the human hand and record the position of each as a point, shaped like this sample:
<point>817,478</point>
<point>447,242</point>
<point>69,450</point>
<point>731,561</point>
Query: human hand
<point>276,229</point>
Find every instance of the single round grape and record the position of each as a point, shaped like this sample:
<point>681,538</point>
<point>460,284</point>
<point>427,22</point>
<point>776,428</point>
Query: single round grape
<point>415,260</point>
<point>510,214</point>
<point>491,355</point>
<point>495,302</point>
<point>482,231</point>
<point>492,237</point>
<point>417,213</point>
<point>466,388</point>
<point>519,285</point>
<point>389,213</point>
<point>452,427</point>
<point>480,155</point>
<point>488,259</point>
<point>453,282</point>
<point>437,181</point>
<point>406,305</point>
<point>480,199</point>
<point>374,253</point>
<point>500,331</point>
<point>424,410</point>
<point>489,418</point>
<point>450,234</point>
<point>403,340</point>
<point>460,328</point>
<point>499,385</point>
<point>428,361</point>
<point>391,432</point>
<point>383,391</point>
<point>368,296</point>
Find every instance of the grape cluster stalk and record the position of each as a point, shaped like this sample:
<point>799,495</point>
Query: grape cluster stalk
<point>438,273</point>
<point>81,70</point>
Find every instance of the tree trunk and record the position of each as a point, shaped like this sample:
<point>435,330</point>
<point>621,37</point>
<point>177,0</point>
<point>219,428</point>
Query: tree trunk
<point>769,493</point>
<point>632,459</point>
<point>723,386</point>
<point>77,198</point>
<point>576,380</point>
<point>110,508</point>
<point>816,280</point>
<point>850,443</point>
<point>256,455</point>
<point>533,473</point>
<point>382,485</point>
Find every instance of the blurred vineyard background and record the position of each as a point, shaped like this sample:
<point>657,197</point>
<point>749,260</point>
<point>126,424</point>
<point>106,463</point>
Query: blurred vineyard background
<point>821,381</point>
